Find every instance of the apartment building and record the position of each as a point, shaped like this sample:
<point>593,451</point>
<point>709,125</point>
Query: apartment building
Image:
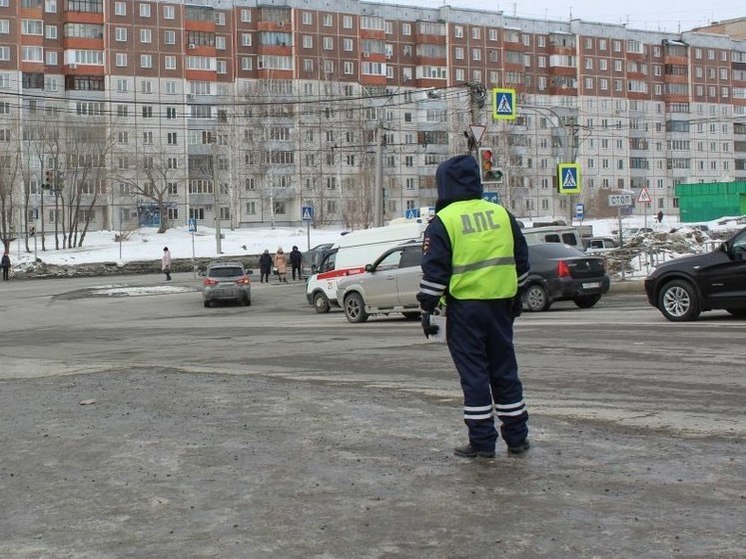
<point>245,112</point>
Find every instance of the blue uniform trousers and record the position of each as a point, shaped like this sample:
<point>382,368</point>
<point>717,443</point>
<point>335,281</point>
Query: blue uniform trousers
<point>480,339</point>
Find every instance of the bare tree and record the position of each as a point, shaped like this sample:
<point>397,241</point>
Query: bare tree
<point>88,144</point>
<point>10,173</point>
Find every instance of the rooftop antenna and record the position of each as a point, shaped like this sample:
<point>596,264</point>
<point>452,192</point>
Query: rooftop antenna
<point>515,8</point>
<point>570,13</point>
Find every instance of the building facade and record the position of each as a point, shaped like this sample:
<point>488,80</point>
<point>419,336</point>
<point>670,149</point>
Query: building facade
<point>118,113</point>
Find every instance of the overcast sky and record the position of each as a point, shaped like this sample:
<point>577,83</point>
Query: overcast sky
<point>666,15</point>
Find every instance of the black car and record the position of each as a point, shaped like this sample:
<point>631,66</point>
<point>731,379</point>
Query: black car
<point>562,273</point>
<point>684,287</point>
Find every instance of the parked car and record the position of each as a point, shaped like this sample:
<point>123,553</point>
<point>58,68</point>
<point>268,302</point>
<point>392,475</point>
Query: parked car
<point>312,259</point>
<point>562,273</point>
<point>599,244</point>
<point>390,284</point>
<point>226,281</point>
<point>684,287</point>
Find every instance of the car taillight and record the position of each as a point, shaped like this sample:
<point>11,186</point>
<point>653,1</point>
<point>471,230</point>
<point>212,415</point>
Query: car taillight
<point>208,281</point>
<point>244,281</point>
<point>563,270</point>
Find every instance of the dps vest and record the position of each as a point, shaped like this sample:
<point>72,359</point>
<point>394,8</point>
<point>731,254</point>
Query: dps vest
<point>483,265</point>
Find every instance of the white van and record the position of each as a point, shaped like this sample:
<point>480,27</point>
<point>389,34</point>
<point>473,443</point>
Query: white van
<point>553,234</point>
<point>350,255</point>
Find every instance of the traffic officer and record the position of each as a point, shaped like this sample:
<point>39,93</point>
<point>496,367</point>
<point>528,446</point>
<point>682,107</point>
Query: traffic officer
<point>476,258</point>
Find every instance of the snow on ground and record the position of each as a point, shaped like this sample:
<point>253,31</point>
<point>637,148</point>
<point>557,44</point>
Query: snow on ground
<point>147,244</point>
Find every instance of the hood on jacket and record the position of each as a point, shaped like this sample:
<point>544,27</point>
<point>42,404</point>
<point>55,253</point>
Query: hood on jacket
<point>458,179</point>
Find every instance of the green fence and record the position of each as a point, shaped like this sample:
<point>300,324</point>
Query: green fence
<point>710,200</point>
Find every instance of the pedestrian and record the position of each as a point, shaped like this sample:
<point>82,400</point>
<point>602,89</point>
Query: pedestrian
<point>296,260</point>
<point>476,258</point>
<point>660,216</point>
<point>281,265</point>
<point>166,263</point>
<point>265,266</point>
<point>6,265</point>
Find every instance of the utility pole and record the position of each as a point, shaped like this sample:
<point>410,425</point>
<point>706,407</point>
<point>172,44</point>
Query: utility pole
<point>378,183</point>
<point>216,191</point>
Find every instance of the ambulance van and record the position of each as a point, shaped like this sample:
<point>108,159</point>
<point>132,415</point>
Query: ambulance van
<point>351,253</point>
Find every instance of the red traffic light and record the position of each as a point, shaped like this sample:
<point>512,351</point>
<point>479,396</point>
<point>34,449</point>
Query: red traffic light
<point>487,155</point>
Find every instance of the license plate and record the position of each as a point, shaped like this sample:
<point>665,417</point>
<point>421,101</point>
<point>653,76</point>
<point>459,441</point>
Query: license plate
<point>592,285</point>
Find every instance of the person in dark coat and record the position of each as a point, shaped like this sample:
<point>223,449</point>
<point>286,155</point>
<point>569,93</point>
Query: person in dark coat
<point>476,258</point>
<point>5,265</point>
<point>265,266</point>
<point>296,259</point>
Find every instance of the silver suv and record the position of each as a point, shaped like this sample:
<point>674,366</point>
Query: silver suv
<point>226,281</point>
<point>388,285</point>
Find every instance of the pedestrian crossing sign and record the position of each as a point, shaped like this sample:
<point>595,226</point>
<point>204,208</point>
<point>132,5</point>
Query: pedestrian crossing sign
<point>503,104</point>
<point>568,178</point>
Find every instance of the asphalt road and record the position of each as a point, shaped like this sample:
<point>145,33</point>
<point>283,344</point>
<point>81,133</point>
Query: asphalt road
<point>140,424</point>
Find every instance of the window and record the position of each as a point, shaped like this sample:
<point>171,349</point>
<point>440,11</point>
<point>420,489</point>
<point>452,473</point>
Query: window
<point>51,58</point>
<point>246,16</point>
<point>120,9</point>
<point>50,31</point>
<point>122,84</point>
<point>171,138</point>
<point>32,27</point>
<point>169,12</point>
<point>144,10</point>
<point>121,60</point>
<point>50,6</point>
<point>169,62</point>
<point>120,34</point>
<point>146,35</point>
<point>169,37</point>
<point>32,54</point>
<point>220,42</point>
<point>146,61</point>
<point>347,22</point>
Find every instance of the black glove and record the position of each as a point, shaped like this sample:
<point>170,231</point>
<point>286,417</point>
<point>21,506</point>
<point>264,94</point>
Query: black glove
<point>427,328</point>
<point>515,306</point>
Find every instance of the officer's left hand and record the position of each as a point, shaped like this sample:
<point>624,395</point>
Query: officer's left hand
<point>428,328</point>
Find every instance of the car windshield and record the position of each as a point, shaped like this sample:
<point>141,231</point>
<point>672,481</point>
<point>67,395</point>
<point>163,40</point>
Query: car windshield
<point>225,272</point>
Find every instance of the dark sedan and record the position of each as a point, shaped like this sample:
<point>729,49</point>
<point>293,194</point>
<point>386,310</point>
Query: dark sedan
<point>684,287</point>
<point>562,273</point>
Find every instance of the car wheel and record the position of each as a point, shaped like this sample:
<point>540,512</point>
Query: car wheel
<point>208,304</point>
<point>412,315</point>
<point>355,308</point>
<point>246,301</point>
<point>677,301</point>
<point>740,313</point>
<point>587,301</point>
<point>320,303</point>
<point>536,298</point>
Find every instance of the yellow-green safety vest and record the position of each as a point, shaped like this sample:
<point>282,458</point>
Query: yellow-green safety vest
<point>482,261</point>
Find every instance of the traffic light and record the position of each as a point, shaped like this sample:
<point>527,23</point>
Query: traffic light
<point>48,180</point>
<point>488,169</point>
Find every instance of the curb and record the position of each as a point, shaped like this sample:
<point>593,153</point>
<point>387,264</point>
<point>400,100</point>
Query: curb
<point>627,286</point>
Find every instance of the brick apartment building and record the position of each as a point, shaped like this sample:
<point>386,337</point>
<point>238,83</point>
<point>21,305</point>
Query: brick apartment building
<point>249,111</point>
